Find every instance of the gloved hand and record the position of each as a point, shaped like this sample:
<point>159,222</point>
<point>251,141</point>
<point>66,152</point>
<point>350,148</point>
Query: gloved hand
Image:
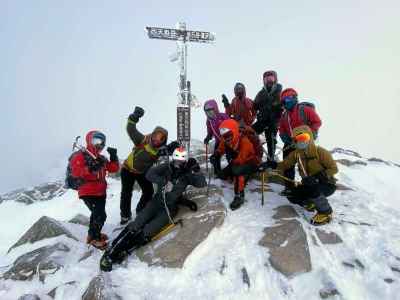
<point>172,146</point>
<point>225,101</point>
<point>230,153</point>
<point>193,165</point>
<point>309,181</point>
<point>137,114</point>
<point>214,158</point>
<point>113,154</point>
<point>207,139</point>
<point>95,165</point>
<point>270,164</point>
<point>163,151</point>
<point>322,177</point>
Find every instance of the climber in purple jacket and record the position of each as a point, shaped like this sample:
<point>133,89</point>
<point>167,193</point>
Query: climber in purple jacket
<point>214,119</point>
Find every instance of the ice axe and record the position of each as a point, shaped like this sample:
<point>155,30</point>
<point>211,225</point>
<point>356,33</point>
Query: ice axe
<point>76,146</point>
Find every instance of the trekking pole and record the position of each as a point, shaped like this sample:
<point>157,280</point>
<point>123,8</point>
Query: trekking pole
<point>262,188</point>
<point>207,158</point>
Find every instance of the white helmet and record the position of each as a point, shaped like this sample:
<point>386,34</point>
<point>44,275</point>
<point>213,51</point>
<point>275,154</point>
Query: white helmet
<point>180,154</point>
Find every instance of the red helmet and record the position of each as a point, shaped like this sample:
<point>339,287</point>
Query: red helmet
<point>288,93</point>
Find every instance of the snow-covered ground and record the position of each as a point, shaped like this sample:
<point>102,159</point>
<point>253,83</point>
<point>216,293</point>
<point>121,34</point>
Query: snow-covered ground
<point>367,218</point>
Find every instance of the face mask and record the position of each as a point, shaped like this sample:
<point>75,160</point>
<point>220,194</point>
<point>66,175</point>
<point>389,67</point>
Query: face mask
<point>210,113</point>
<point>301,145</point>
<point>289,103</point>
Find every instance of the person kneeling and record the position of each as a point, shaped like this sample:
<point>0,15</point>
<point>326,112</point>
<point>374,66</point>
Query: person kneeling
<point>317,169</point>
<point>172,179</point>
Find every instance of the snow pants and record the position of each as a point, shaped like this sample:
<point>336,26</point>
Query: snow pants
<point>240,175</point>
<point>270,131</point>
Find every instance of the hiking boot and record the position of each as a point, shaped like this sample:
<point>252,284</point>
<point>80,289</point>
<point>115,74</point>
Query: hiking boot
<point>125,220</point>
<point>237,202</point>
<point>321,219</point>
<point>309,207</point>
<point>103,237</point>
<point>99,244</point>
<point>106,263</point>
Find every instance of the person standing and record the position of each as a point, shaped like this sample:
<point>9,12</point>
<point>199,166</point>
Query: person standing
<point>145,153</point>
<point>268,107</point>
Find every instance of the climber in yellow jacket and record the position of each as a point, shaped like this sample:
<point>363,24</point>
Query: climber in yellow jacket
<point>317,169</point>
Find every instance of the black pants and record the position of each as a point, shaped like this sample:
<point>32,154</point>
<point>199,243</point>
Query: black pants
<point>217,164</point>
<point>290,173</point>
<point>128,180</point>
<point>303,195</point>
<point>97,206</point>
<point>270,130</point>
<point>154,216</point>
<point>240,175</point>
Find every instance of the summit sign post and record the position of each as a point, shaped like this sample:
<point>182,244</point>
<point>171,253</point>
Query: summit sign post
<point>182,36</point>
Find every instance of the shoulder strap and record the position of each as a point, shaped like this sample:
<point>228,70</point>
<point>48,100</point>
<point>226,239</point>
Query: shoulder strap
<point>302,114</point>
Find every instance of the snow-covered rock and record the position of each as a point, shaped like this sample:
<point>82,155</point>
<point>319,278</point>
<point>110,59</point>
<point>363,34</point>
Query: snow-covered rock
<point>43,261</point>
<point>80,219</point>
<point>44,228</point>
<point>100,289</point>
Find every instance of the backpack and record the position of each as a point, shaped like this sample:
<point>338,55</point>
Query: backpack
<point>72,182</point>
<point>254,139</point>
<point>302,114</point>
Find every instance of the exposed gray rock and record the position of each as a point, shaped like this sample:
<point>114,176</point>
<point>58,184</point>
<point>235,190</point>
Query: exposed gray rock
<point>353,264</point>
<point>394,269</point>
<point>172,249</point>
<point>345,151</point>
<point>342,187</point>
<point>349,163</point>
<point>288,248</point>
<point>43,192</point>
<point>100,289</point>
<point>44,228</point>
<point>388,280</point>
<point>326,293</point>
<point>29,297</point>
<point>80,219</point>
<point>43,261</point>
<point>378,160</point>
<point>53,292</point>
<point>245,277</point>
<point>285,212</point>
<point>328,238</point>
<point>223,266</point>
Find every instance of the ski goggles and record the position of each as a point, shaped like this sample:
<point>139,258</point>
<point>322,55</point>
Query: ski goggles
<point>302,138</point>
<point>288,99</point>
<point>270,78</point>
<point>98,140</point>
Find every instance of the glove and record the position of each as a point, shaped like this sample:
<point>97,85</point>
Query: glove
<point>95,165</point>
<point>225,101</point>
<point>315,135</point>
<point>193,165</point>
<point>137,114</point>
<point>207,140</point>
<point>230,153</point>
<point>322,177</point>
<point>172,146</point>
<point>163,151</point>
<point>113,154</point>
<point>270,164</point>
<point>214,158</point>
<point>309,181</point>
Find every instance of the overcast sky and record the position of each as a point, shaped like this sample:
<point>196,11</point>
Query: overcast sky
<point>70,66</point>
